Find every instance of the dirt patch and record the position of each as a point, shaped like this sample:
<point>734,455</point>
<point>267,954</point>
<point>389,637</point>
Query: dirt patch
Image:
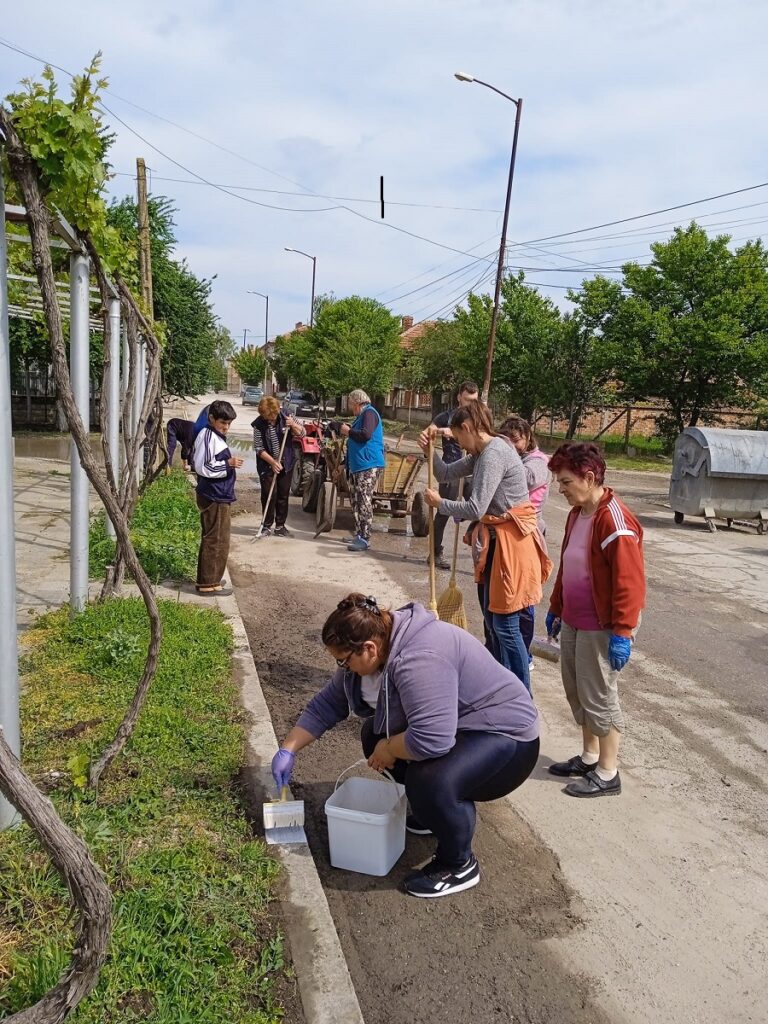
<point>480,957</point>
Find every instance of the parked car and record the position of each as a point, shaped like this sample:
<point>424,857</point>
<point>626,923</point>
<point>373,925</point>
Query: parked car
<point>252,395</point>
<point>301,404</point>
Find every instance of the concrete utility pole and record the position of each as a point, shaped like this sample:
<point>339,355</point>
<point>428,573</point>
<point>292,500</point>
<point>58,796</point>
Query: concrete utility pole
<point>464,77</point>
<point>145,253</point>
<point>79,371</point>
<point>9,665</point>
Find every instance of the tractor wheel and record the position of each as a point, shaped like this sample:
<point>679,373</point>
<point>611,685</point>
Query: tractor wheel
<point>296,488</point>
<point>419,515</point>
<point>312,489</point>
<point>303,468</point>
<point>325,515</point>
<point>679,517</point>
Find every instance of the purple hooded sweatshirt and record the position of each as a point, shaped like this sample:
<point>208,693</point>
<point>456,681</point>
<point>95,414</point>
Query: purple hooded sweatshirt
<point>438,680</point>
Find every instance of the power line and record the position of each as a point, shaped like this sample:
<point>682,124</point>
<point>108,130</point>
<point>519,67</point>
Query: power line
<point>320,195</point>
<point>653,213</point>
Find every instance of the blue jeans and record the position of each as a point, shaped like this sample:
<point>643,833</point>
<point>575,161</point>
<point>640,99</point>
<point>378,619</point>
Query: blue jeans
<point>442,790</point>
<point>503,636</point>
<point>527,625</point>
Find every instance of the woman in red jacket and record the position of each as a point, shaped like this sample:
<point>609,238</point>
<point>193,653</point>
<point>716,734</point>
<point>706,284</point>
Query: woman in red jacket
<point>596,602</point>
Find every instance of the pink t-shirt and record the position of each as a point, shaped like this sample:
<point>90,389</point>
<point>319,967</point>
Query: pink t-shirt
<point>578,605</point>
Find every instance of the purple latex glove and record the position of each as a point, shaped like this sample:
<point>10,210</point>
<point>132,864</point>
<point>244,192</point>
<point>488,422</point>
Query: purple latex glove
<point>282,767</point>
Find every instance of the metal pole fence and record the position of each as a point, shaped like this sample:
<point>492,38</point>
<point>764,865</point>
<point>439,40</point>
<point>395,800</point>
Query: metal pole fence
<point>79,372</point>
<point>9,666</point>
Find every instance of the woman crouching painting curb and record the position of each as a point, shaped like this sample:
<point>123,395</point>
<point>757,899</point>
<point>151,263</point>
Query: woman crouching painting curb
<point>439,712</point>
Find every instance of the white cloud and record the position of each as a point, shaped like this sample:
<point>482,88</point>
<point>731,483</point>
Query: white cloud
<point>627,108</point>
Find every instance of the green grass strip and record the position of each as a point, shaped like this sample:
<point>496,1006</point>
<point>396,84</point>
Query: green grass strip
<point>165,532</point>
<point>193,936</point>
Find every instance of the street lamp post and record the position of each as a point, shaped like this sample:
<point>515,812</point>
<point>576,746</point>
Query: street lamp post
<point>314,267</point>
<point>266,333</point>
<point>245,331</point>
<point>463,77</point>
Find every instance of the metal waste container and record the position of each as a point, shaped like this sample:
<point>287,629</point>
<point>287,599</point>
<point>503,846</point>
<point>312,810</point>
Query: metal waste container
<point>720,474</point>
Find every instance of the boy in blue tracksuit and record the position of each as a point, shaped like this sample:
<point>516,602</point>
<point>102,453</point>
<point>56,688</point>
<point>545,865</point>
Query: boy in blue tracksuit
<point>216,467</point>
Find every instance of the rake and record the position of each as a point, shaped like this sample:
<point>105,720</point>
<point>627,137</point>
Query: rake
<point>271,487</point>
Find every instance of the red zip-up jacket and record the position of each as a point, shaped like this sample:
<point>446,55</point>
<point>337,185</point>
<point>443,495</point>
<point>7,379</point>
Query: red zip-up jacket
<point>615,566</point>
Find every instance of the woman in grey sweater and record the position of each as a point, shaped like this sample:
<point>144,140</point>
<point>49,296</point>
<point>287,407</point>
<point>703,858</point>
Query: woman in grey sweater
<point>498,484</point>
<point>450,723</point>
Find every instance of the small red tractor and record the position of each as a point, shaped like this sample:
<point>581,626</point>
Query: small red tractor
<point>308,454</point>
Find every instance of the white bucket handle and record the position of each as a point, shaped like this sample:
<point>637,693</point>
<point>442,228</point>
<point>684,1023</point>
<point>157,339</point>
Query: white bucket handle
<point>354,765</point>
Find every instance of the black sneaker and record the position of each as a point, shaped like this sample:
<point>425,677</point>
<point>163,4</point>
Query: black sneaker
<point>435,879</point>
<point>414,826</point>
<point>266,531</point>
<point>282,531</point>
<point>573,766</point>
<point>593,785</point>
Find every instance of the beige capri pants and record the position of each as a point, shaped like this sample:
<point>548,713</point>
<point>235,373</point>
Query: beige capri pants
<point>591,685</point>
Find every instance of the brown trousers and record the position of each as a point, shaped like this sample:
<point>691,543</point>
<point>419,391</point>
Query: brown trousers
<point>212,557</point>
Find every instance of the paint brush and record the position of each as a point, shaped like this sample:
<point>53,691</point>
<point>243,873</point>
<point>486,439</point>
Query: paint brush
<point>284,820</point>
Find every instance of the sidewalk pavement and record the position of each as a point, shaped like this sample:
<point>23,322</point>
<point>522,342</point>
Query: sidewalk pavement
<point>41,497</point>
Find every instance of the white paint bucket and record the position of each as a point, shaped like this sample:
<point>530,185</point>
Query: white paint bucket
<point>366,824</point>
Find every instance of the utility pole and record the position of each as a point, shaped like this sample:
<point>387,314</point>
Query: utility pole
<point>145,255</point>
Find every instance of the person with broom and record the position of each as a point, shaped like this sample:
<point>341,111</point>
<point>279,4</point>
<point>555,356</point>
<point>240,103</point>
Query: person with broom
<point>269,441</point>
<point>450,723</point>
<point>510,560</point>
<point>451,489</point>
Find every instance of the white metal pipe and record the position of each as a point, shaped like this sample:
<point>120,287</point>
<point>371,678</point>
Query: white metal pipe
<point>137,392</point>
<point>79,373</point>
<point>9,665</point>
<point>113,394</point>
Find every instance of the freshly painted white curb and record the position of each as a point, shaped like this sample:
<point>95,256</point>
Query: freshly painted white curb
<point>325,986</point>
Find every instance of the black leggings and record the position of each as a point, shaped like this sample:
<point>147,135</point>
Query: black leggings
<point>442,790</point>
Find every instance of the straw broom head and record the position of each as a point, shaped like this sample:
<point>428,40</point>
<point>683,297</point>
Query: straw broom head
<point>450,604</point>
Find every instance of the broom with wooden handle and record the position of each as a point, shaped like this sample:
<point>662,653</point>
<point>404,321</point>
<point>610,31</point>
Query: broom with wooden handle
<point>431,518</point>
<point>450,604</point>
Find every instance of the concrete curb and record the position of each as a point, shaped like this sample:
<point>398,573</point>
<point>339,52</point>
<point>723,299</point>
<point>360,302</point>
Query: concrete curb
<point>325,985</point>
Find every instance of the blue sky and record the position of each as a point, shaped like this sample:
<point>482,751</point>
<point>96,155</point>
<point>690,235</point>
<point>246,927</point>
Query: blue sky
<point>628,107</point>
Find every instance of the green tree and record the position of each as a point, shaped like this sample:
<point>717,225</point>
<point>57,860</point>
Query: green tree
<point>357,342</point>
<point>191,355</point>
<point>437,358</point>
<point>294,360</point>
<point>250,364</point>
<point>693,328</point>
<point>528,335</point>
<point>585,360</point>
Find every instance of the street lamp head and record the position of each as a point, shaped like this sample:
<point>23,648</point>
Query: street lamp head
<point>463,76</point>
<point>288,249</point>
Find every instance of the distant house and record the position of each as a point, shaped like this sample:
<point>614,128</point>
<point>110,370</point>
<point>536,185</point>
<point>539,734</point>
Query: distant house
<point>400,397</point>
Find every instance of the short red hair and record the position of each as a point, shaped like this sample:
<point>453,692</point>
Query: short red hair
<point>580,457</point>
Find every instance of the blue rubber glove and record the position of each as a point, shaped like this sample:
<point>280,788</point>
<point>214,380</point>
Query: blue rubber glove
<point>554,623</point>
<point>282,767</point>
<point>619,650</point>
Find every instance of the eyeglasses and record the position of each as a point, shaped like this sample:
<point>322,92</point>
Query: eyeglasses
<point>344,662</point>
